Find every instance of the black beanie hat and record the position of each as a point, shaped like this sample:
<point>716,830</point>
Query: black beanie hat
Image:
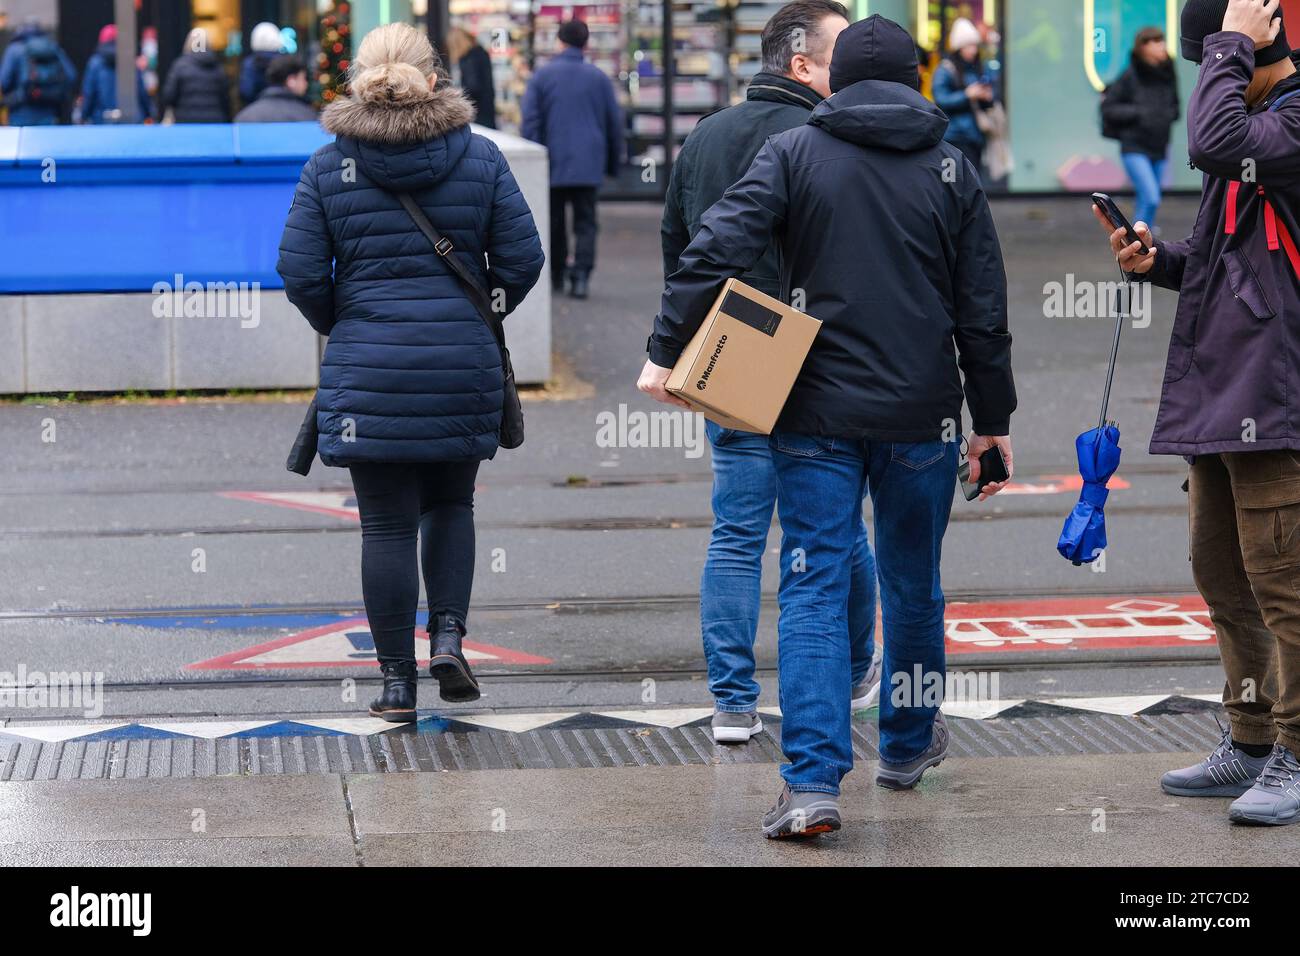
<point>574,33</point>
<point>1204,17</point>
<point>874,49</point>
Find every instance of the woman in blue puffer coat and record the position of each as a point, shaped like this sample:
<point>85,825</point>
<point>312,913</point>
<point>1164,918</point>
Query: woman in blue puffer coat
<point>411,384</point>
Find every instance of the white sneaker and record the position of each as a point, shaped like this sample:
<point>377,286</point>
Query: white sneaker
<point>732,728</point>
<point>867,693</point>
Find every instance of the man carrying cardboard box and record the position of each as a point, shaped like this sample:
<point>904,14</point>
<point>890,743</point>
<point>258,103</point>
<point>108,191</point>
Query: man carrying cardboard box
<point>796,43</point>
<point>886,237</point>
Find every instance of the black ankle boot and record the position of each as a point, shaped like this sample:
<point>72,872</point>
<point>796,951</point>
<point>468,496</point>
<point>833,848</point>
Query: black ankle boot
<point>579,285</point>
<point>397,702</point>
<point>447,662</point>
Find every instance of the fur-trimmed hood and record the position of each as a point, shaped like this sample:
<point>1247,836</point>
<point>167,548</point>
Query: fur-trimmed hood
<point>445,110</point>
<point>406,148</point>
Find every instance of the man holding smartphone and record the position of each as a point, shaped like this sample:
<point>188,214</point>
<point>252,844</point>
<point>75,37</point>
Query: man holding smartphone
<point>1227,402</point>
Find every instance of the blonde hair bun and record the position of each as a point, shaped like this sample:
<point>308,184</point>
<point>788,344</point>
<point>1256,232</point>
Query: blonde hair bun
<point>393,66</point>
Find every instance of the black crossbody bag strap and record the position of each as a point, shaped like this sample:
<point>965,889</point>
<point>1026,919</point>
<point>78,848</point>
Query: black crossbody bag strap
<point>442,245</point>
<point>511,434</point>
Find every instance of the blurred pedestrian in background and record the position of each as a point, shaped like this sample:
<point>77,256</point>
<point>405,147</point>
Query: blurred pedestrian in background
<point>472,69</point>
<point>964,90</point>
<point>877,406</point>
<point>1139,109</point>
<point>99,85</point>
<point>796,45</point>
<point>284,99</point>
<point>266,44</point>
<point>196,90</point>
<point>36,77</point>
<point>411,383</point>
<point>570,108</point>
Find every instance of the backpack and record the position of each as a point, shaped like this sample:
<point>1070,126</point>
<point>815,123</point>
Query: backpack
<point>44,81</point>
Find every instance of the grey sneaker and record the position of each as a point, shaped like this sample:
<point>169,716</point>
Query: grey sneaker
<point>1275,797</point>
<point>732,728</point>
<point>867,692</point>
<point>801,814</point>
<point>894,776</point>
<point>1227,772</point>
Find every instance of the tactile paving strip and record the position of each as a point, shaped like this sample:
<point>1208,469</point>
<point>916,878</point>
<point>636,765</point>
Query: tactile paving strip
<point>566,747</point>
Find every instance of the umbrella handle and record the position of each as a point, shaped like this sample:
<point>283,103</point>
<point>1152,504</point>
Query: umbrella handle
<point>1120,316</point>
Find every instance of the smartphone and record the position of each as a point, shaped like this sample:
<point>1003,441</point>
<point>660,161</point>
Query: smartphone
<point>993,468</point>
<point>1117,219</point>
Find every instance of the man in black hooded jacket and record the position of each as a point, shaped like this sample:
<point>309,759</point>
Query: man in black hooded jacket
<point>887,233</point>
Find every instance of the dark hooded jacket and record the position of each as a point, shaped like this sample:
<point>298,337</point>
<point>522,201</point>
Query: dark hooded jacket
<point>1141,106</point>
<point>886,230</point>
<point>717,152</point>
<point>196,89</point>
<point>277,104</point>
<point>411,373</point>
<point>1232,380</point>
<point>99,86</point>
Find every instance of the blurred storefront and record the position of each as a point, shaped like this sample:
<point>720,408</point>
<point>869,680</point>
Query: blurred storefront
<point>1051,59</point>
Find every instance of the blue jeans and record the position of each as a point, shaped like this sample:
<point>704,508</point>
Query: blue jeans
<point>744,496</point>
<point>822,482</point>
<point>1146,174</point>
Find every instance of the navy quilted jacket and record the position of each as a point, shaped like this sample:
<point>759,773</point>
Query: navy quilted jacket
<point>410,373</point>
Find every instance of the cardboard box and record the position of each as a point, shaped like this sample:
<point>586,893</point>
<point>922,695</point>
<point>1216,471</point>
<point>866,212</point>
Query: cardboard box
<point>740,366</point>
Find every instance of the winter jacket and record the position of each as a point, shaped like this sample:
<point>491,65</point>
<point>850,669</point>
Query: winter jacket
<point>476,80</point>
<point>885,229</point>
<point>36,78</point>
<point>196,90</point>
<point>1141,106</point>
<point>252,75</point>
<point>717,153</point>
<point>949,91</point>
<point>411,373</point>
<point>1232,380</point>
<point>570,109</point>
<point>99,86</point>
<point>277,104</point>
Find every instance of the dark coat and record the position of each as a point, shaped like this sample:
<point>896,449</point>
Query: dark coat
<point>196,89</point>
<point>411,371</point>
<point>277,104</point>
<point>252,75</point>
<point>1233,371</point>
<point>886,230</point>
<point>951,78</point>
<point>570,109</point>
<point>41,104</point>
<point>476,81</point>
<point>1141,106</point>
<point>99,86</point>
<point>717,153</point>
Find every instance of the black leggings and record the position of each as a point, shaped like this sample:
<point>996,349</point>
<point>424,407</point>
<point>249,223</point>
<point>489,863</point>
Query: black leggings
<point>396,501</point>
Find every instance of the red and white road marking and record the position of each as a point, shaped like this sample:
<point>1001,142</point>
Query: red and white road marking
<point>1080,623</point>
<point>339,504</point>
<point>345,644</point>
<point>1057,485</point>
<point>343,504</point>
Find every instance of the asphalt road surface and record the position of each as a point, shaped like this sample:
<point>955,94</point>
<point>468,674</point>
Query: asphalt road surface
<point>165,545</point>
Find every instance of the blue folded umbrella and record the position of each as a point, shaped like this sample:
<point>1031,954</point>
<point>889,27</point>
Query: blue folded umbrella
<point>1084,534</point>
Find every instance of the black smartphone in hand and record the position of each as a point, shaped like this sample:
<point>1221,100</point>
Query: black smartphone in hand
<point>993,468</point>
<point>1118,220</point>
